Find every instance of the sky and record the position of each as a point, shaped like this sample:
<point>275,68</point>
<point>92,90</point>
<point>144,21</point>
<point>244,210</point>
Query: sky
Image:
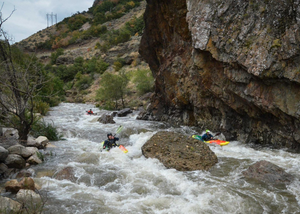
<point>30,16</point>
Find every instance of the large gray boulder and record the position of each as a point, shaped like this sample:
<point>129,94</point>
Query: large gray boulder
<point>34,160</point>
<point>3,154</point>
<point>9,206</point>
<point>15,161</point>
<point>39,142</point>
<point>179,151</point>
<point>106,118</point>
<point>31,200</point>
<point>268,172</point>
<point>124,112</point>
<point>10,133</point>
<point>32,150</point>
<point>19,150</point>
<point>8,142</point>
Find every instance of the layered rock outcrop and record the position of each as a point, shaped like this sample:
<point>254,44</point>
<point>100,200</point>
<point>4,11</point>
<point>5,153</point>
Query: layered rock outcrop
<point>231,66</point>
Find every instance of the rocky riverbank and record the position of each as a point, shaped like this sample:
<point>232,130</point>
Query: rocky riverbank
<point>15,162</point>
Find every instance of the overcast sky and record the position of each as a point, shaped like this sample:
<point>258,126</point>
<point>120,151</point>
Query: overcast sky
<point>30,15</point>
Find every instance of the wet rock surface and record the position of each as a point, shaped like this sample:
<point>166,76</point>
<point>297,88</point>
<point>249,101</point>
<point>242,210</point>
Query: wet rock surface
<point>179,151</point>
<point>65,174</point>
<point>268,172</point>
<point>106,118</point>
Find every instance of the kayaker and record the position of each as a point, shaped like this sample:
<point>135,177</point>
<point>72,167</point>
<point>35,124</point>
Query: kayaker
<point>207,136</point>
<point>110,142</point>
<point>90,112</point>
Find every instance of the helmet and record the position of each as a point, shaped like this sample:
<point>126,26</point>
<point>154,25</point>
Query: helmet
<point>207,131</point>
<point>109,134</point>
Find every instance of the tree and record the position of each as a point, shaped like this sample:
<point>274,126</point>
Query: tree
<point>22,78</point>
<point>144,81</point>
<point>113,88</point>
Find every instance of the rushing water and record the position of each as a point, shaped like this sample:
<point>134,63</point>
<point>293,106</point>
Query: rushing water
<point>114,182</point>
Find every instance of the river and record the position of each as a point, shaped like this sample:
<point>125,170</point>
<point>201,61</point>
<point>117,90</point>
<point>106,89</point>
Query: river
<point>114,182</point>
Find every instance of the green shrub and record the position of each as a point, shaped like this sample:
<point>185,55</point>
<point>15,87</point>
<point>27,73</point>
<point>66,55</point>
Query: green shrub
<point>135,25</point>
<point>144,81</point>
<point>56,54</point>
<point>102,66</point>
<point>75,22</point>
<point>41,128</point>
<point>117,65</point>
<point>84,82</point>
<point>41,107</point>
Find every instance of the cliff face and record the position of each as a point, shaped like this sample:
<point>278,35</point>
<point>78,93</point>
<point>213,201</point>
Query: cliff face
<point>230,66</point>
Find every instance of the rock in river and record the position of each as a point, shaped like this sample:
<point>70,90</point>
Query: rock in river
<point>179,151</point>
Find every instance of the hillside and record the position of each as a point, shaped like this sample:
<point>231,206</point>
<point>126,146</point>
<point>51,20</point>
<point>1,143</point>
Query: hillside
<point>115,38</point>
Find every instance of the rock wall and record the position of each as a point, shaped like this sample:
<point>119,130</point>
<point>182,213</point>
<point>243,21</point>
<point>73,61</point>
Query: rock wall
<point>230,66</point>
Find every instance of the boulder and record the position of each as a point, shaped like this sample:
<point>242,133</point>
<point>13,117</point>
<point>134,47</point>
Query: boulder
<point>31,200</point>
<point>34,160</point>
<point>3,170</point>
<point>124,112</point>
<point>65,174</point>
<point>8,142</point>
<point>31,142</point>
<point>42,140</point>
<point>25,173</point>
<point>179,151</point>
<point>10,133</point>
<point>19,150</point>
<point>15,161</point>
<point>12,186</point>
<point>9,206</point>
<point>3,154</point>
<point>106,118</point>
<point>39,142</point>
<point>32,150</point>
<point>268,172</point>
<point>27,183</point>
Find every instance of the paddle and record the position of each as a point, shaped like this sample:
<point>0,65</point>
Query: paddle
<point>216,135</point>
<point>119,130</point>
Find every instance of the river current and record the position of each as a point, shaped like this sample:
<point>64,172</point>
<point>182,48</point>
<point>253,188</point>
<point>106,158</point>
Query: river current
<point>114,182</point>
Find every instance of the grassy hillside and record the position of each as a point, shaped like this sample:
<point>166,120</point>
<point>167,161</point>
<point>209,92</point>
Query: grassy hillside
<point>82,48</point>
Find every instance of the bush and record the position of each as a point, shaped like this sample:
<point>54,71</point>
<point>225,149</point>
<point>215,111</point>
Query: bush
<point>56,54</point>
<point>41,107</point>
<point>84,82</point>
<point>41,128</point>
<point>135,25</point>
<point>144,81</point>
<point>75,22</point>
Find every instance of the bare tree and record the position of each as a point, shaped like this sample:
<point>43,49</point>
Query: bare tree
<point>21,79</point>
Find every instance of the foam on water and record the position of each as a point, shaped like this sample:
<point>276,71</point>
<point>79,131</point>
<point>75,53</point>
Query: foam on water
<point>114,182</point>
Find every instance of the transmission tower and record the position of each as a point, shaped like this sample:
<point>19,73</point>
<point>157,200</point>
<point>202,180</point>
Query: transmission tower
<point>50,17</point>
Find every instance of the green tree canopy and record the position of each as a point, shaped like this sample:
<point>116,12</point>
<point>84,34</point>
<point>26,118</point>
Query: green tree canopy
<point>113,88</point>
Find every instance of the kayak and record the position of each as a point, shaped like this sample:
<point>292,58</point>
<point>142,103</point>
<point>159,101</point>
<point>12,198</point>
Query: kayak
<point>120,147</point>
<point>218,142</point>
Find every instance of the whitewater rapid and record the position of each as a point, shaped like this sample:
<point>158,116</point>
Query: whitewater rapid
<point>114,182</point>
